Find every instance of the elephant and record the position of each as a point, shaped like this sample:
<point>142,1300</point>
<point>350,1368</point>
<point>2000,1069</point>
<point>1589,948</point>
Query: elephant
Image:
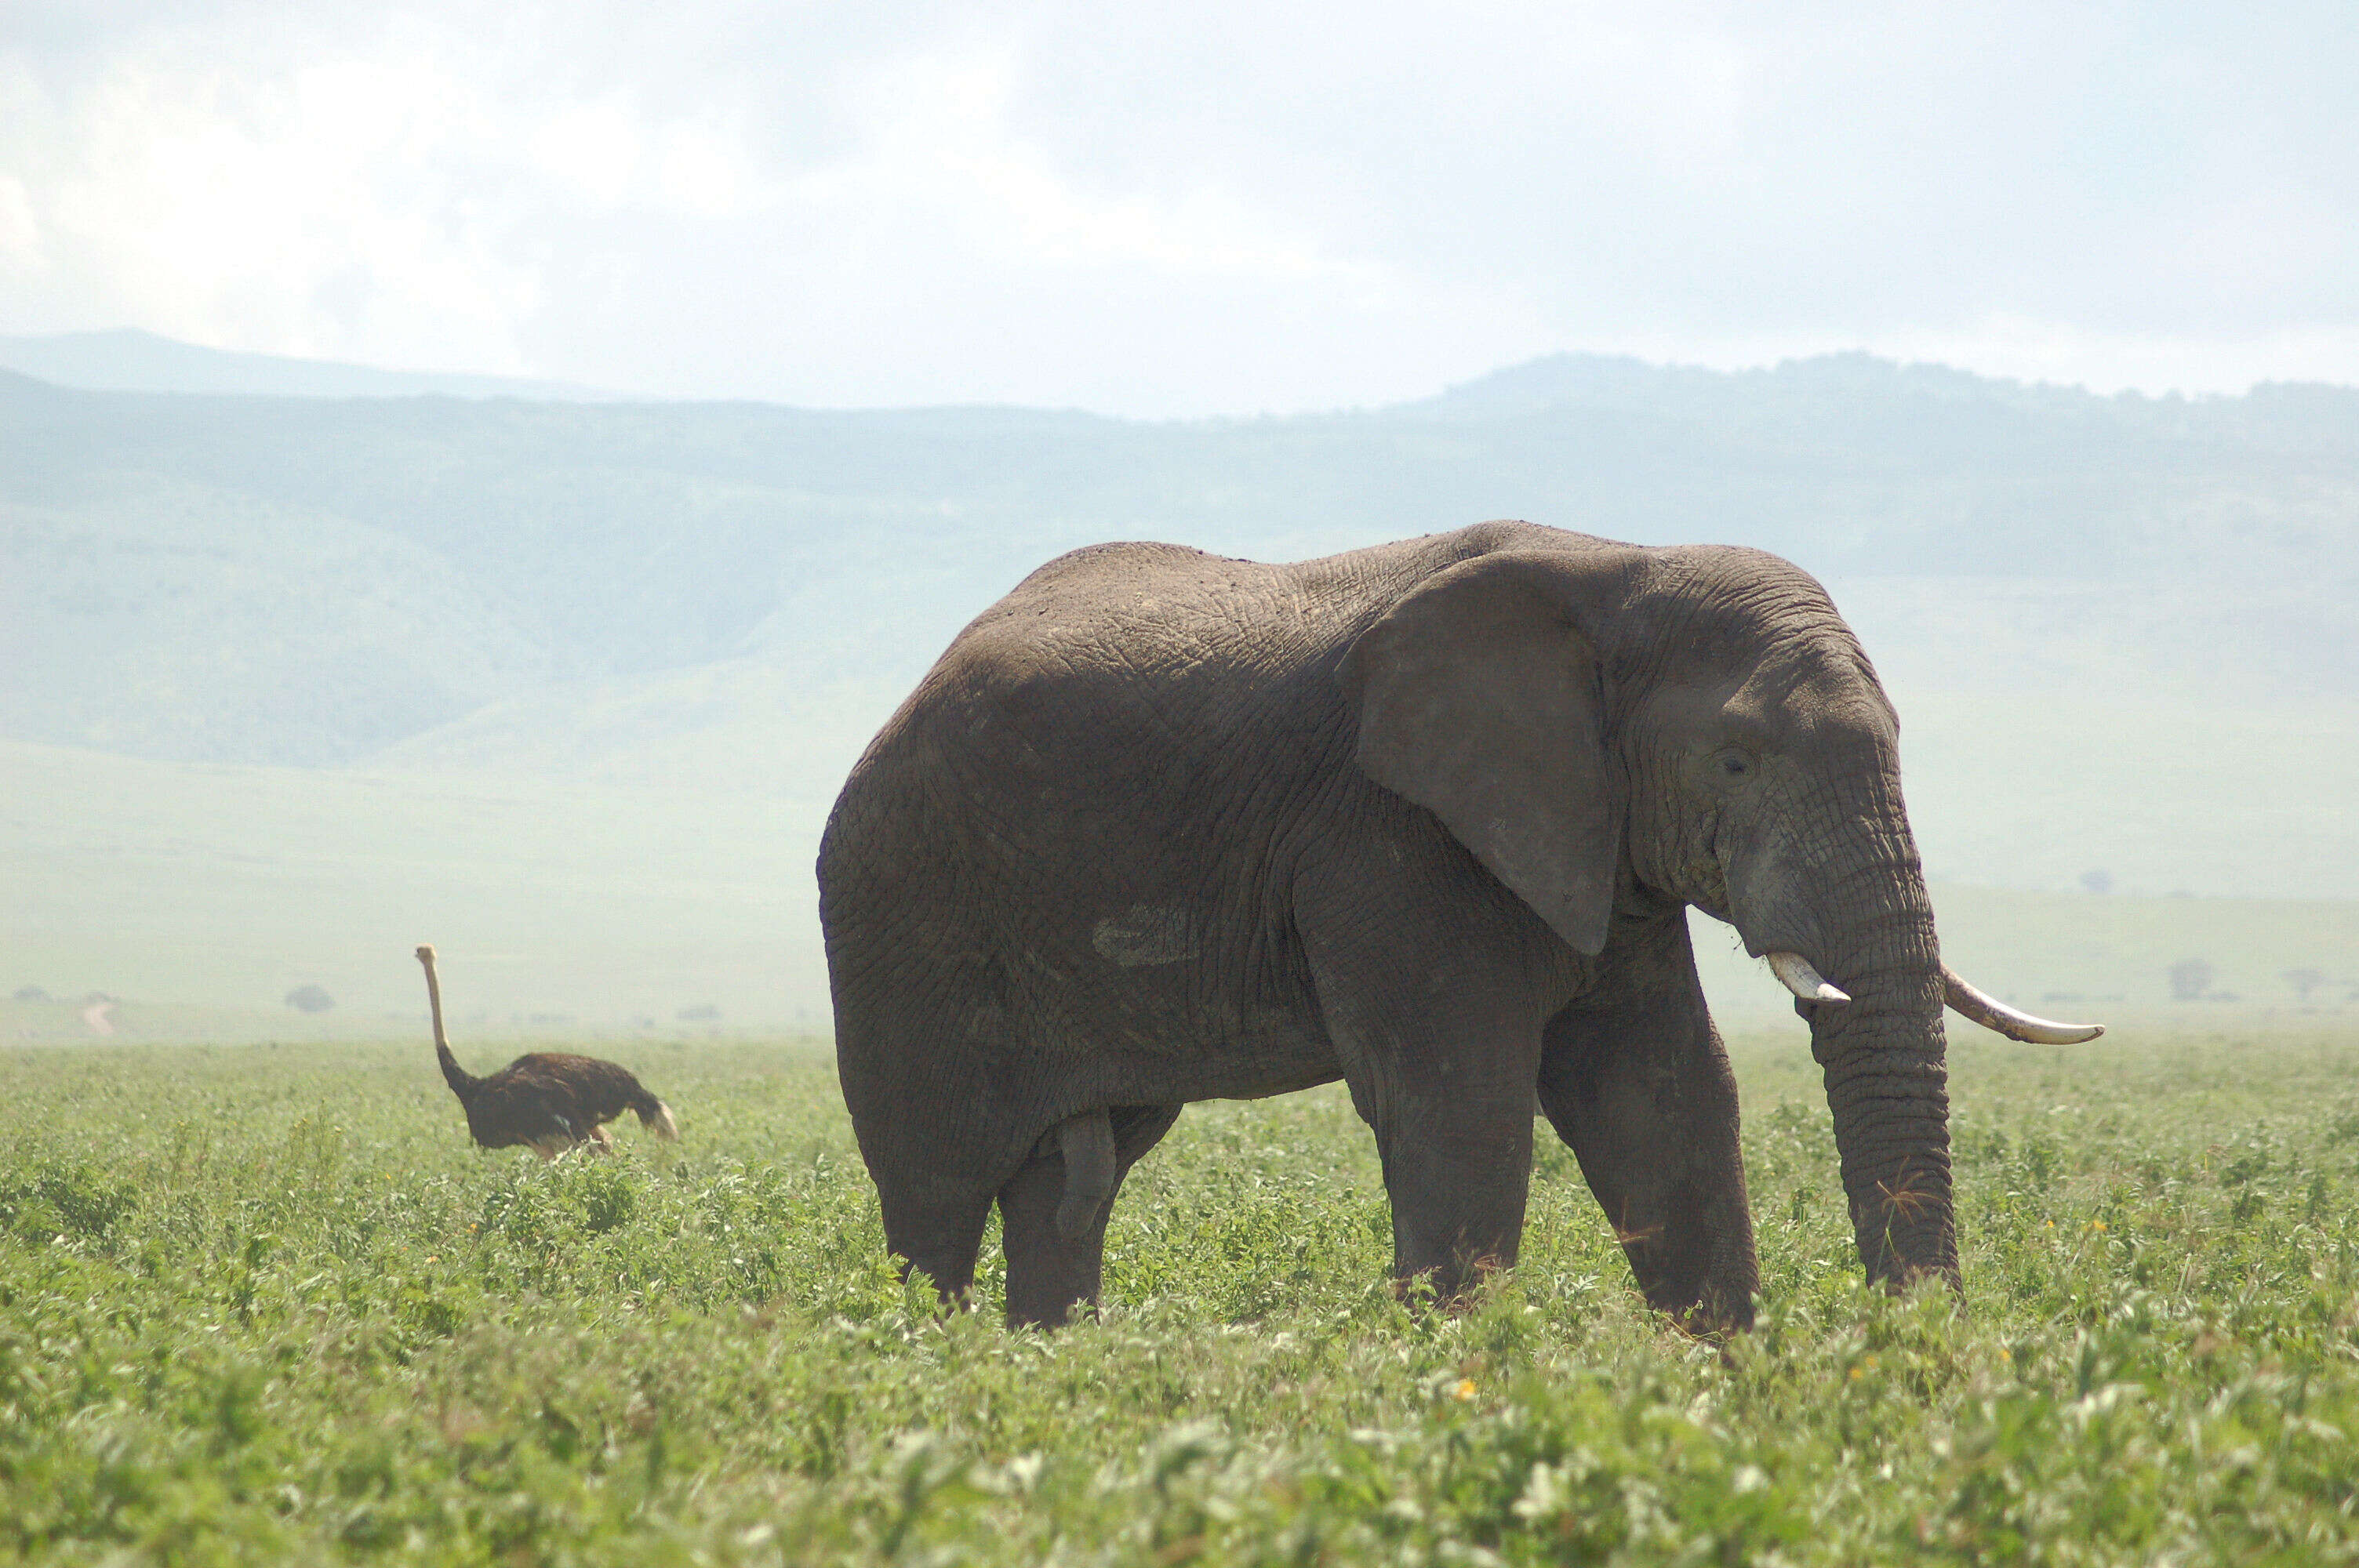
<point>1163,826</point>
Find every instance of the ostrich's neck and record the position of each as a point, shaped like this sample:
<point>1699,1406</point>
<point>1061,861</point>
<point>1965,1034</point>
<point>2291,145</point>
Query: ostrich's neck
<point>461,1081</point>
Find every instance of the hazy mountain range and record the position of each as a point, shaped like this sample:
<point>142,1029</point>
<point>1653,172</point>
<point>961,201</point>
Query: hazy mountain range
<point>127,359</point>
<point>2121,629</point>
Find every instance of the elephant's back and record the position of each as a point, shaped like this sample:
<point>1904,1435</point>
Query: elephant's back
<point>1149,674</point>
<point>1110,652</point>
<point>1135,659</point>
<point>1155,622</point>
<point>1081,729</point>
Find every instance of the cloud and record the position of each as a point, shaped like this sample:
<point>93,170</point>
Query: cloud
<point>1220,207</point>
<point>296,213</point>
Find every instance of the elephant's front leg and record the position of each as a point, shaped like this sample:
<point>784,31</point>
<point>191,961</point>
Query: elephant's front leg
<point>1634,1078</point>
<point>1440,1044</point>
<point>1458,1167</point>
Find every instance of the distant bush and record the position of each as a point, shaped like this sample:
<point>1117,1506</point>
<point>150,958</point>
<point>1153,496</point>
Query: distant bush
<point>31,993</point>
<point>703,1013</point>
<point>2190,979</point>
<point>309,998</point>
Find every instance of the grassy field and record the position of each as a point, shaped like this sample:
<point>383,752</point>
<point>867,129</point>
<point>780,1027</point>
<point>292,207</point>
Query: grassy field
<point>267,1305</point>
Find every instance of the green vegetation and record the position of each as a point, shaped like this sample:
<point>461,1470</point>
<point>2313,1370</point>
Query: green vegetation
<point>267,1305</point>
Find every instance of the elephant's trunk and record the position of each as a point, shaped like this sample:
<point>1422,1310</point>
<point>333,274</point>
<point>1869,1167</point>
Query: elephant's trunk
<point>1885,1059</point>
<point>1869,931</point>
<point>1888,1088</point>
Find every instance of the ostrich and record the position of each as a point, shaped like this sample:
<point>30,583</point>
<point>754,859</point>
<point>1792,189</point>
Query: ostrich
<point>547,1101</point>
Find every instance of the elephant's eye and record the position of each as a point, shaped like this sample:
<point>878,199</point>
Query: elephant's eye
<point>1733,763</point>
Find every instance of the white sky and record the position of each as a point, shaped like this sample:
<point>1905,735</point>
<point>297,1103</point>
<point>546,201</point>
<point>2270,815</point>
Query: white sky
<point>1222,207</point>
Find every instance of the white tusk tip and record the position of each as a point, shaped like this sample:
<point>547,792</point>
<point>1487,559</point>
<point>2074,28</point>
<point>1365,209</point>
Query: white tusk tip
<point>1794,972</point>
<point>1999,1018</point>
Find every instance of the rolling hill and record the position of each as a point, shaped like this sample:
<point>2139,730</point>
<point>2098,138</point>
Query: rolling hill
<point>2121,632</point>
<point>127,359</point>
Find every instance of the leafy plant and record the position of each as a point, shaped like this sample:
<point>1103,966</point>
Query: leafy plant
<point>345,1334</point>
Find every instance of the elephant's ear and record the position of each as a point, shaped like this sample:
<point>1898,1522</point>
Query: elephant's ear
<point>1478,699</point>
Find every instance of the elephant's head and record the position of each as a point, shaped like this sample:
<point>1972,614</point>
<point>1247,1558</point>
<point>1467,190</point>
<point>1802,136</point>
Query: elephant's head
<point>1700,721</point>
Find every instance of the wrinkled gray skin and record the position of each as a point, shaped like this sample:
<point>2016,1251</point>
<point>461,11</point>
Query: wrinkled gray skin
<point>1162,827</point>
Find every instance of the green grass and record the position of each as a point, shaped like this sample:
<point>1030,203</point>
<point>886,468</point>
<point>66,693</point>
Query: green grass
<point>264,1305</point>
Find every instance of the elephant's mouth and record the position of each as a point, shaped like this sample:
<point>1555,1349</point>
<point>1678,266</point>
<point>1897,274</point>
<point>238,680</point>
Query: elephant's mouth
<point>1709,878</point>
<point>1705,885</point>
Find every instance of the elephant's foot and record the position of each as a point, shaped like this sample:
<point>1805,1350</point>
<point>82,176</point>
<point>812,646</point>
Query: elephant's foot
<point>1453,1287</point>
<point>1714,1319</point>
<point>938,1240</point>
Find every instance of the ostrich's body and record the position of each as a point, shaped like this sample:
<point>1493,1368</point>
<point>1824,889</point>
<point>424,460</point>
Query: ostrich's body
<point>547,1101</point>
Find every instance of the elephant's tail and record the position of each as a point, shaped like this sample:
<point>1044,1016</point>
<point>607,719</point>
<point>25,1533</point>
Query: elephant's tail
<point>1086,1140</point>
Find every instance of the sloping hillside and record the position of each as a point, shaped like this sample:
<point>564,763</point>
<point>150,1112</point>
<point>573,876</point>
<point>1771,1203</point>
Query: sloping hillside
<point>289,684</point>
<point>229,886</point>
<point>129,360</point>
<point>484,549</point>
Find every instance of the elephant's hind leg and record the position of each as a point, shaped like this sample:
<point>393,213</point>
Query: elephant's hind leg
<point>931,1150</point>
<point>937,1237</point>
<point>1055,1243</point>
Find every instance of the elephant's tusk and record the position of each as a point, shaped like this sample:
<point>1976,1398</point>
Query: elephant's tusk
<point>1795,972</point>
<point>1994,1014</point>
